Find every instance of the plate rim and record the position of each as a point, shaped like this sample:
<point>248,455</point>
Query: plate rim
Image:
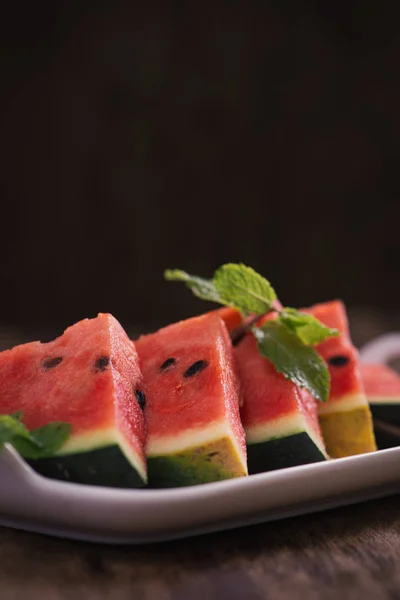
<point>263,497</point>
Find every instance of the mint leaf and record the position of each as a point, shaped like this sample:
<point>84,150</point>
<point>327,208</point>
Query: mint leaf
<point>52,436</point>
<point>310,331</point>
<point>291,357</point>
<point>38,443</point>
<point>287,341</point>
<point>233,285</point>
<point>241,287</point>
<point>10,426</point>
<point>17,415</point>
<point>202,288</point>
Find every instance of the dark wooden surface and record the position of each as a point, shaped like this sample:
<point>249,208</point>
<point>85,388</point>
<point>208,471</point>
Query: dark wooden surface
<point>347,553</point>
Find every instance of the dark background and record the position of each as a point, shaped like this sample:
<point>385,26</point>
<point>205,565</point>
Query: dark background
<point>188,134</point>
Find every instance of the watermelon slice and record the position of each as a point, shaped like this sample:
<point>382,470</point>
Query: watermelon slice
<point>382,387</point>
<point>231,317</point>
<point>190,380</point>
<point>345,419</point>
<point>89,377</point>
<point>279,418</point>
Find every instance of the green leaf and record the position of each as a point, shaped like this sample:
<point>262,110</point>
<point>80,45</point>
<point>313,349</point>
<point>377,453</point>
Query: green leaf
<point>241,287</point>
<point>17,415</point>
<point>202,288</point>
<point>291,357</point>
<point>52,436</point>
<point>39,443</point>
<point>10,426</point>
<point>309,329</point>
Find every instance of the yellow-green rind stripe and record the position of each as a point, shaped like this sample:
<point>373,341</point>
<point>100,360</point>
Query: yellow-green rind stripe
<point>212,461</point>
<point>347,433</point>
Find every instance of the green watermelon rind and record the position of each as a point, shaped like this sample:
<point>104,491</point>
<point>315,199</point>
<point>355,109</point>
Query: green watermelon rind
<point>100,457</point>
<point>386,409</point>
<point>281,453</point>
<point>178,471</point>
<point>216,460</point>
<point>288,441</point>
<point>386,414</point>
<point>105,466</point>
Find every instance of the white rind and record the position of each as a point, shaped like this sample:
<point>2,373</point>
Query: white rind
<point>275,429</point>
<point>346,403</point>
<point>384,400</point>
<point>133,457</point>
<point>192,438</point>
<point>283,427</point>
<point>317,441</point>
<point>98,438</point>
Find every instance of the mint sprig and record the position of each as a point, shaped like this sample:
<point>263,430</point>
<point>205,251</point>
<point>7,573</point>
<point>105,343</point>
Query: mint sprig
<point>235,285</point>
<point>41,442</point>
<point>286,341</point>
<point>298,362</point>
<point>305,326</point>
<point>202,288</point>
<point>241,287</point>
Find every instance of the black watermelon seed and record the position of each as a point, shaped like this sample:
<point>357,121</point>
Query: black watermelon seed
<point>168,363</point>
<point>339,360</point>
<point>102,363</point>
<point>50,363</point>
<point>195,368</point>
<point>141,398</point>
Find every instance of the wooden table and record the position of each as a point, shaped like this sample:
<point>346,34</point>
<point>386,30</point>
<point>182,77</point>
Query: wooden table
<point>347,553</point>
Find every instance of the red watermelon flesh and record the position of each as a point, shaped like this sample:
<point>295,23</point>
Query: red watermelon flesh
<point>345,419</point>
<point>339,353</point>
<point>380,382</point>
<point>287,397</point>
<point>268,396</point>
<point>231,317</point>
<point>280,419</point>
<point>271,315</point>
<point>192,391</point>
<point>382,387</point>
<point>88,377</point>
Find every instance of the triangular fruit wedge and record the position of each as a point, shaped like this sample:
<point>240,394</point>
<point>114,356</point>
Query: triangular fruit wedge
<point>231,317</point>
<point>192,389</point>
<point>345,419</point>
<point>382,387</point>
<point>279,418</point>
<point>89,377</point>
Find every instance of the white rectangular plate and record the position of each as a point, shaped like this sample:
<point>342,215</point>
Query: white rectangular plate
<point>31,502</point>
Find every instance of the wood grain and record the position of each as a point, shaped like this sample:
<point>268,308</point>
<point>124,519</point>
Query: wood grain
<point>347,553</point>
